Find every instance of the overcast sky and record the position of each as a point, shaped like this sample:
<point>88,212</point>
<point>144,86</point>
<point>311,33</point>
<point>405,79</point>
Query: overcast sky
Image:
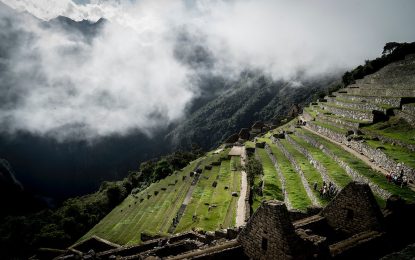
<point>130,77</point>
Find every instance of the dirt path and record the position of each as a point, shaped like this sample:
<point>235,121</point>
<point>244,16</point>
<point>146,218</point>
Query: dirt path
<point>241,209</point>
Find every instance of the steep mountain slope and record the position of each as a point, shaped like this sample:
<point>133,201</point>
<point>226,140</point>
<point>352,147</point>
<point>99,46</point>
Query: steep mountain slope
<point>304,163</point>
<point>253,97</point>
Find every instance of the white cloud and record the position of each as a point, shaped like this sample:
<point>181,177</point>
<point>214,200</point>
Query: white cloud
<point>129,78</point>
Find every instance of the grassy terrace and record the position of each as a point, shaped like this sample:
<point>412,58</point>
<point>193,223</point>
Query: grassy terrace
<point>397,153</point>
<point>205,195</point>
<point>333,169</point>
<point>363,168</point>
<point>296,192</point>
<point>272,184</point>
<point>395,128</point>
<point>310,173</point>
<point>330,127</point>
<point>153,215</point>
<point>346,108</point>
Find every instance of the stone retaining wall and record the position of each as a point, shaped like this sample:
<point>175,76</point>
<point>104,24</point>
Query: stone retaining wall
<point>381,159</point>
<point>344,112</point>
<point>390,101</point>
<point>386,139</point>
<point>339,121</point>
<point>294,163</point>
<point>407,117</point>
<point>327,132</point>
<point>319,167</point>
<point>384,92</point>
<point>351,172</point>
<point>362,106</point>
<point>280,175</point>
<point>409,109</point>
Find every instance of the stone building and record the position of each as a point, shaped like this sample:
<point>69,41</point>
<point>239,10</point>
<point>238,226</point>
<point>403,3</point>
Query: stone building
<point>351,226</point>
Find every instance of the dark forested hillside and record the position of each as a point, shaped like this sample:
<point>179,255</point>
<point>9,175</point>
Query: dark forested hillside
<point>253,97</point>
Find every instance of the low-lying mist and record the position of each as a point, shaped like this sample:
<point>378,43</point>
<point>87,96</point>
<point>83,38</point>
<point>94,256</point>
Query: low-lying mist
<point>144,65</point>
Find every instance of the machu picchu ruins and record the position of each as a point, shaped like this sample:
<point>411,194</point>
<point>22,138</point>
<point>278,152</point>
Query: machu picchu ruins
<point>336,181</point>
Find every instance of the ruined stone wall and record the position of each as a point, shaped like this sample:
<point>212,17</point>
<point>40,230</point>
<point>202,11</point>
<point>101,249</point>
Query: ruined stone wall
<point>354,210</point>
<point>270,234</point>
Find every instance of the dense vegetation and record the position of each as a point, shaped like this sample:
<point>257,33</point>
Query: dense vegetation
<point>63,226</point>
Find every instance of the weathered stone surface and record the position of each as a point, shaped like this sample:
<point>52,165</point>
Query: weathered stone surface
<point>354,210</point>
<point>269,234</point>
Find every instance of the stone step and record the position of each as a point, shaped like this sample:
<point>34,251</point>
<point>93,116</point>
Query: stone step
<point>381,92</point>
<point>362,115</point>
<point>388,101</point>
<point>367,106</point>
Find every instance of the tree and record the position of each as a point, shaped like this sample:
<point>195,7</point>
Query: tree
<point>389,48</point>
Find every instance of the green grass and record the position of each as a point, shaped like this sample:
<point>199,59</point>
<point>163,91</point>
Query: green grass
<point>272,184</point>
<point>337,173</point>
<point>310,173</point>
<point>346,108</point>
<point>296,192</point>
<point>394,128</point>
<point>363,168</point>
<point>225,211</point>
<point>330,127</point>
<point>395,152</point>
<point>127,221</point>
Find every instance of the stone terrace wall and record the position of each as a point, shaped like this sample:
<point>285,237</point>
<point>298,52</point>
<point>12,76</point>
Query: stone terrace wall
<point>351,172</point>
<point>390,101</point>
<point>339,121</point>
<point>344,112</point>
<point>280,175</point>
<point>381,159</point>
<point>383,92</point>
<point>327,132</point>
<point>361,105</point>
<point>294,163</point>
<point>407,117</point>
<point>319,167</point>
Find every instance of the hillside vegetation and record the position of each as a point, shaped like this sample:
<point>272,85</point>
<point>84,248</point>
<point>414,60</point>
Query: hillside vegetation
<point>363,133</point>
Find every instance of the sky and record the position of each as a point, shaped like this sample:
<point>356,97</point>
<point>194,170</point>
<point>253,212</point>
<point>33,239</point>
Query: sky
<point>140,72</point>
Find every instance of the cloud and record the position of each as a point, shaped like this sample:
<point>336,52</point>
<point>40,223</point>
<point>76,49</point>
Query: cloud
<point>145,65</point>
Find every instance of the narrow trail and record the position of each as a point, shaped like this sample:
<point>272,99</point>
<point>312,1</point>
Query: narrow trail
<point>241,209</point>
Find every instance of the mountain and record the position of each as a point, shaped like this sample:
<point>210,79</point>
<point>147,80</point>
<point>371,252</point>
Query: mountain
<point>253,97</point>
<point>61,169</point>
